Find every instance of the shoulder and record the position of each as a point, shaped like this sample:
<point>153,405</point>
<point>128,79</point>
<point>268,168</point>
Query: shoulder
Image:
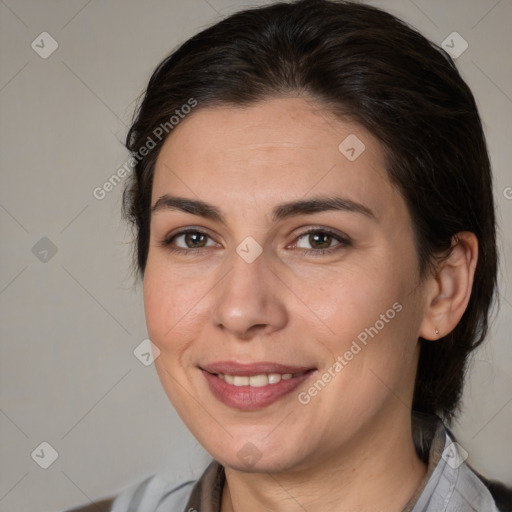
<point>146,496</point>
<point>465,487</point>
<point>451,483</point>
<point>500,492</point>
<point>97,506</point>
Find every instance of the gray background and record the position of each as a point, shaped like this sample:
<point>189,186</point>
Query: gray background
<point>71,320</point>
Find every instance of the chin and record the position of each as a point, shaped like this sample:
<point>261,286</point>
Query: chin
<point>259,457</point>
<point>271,465</point>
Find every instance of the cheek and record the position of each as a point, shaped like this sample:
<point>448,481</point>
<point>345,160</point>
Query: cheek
<point>171,306</point>
<point>375,364</point>
<point>370,318</point>
<point>378,350</point>
<point>350,298</point>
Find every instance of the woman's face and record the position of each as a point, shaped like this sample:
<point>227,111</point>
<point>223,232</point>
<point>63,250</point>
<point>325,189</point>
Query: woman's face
<point>299,260</point>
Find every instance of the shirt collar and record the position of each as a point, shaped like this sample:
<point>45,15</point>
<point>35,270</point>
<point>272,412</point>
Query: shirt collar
<point>429,435</point>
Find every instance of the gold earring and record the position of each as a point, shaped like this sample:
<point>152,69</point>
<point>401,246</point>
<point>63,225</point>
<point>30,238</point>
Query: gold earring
<point>437,330</point>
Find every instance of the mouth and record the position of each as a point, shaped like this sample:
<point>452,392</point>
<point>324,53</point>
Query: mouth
<point>253,386</point>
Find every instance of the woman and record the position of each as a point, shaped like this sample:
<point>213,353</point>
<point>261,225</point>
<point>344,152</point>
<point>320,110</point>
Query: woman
<point>312,198</point>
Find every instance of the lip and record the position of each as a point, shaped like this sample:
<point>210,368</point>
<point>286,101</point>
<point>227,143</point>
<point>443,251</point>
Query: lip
<point>247,397</point>
<point>250,369</point>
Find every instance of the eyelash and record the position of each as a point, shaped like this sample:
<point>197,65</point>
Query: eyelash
<point>344,241</point>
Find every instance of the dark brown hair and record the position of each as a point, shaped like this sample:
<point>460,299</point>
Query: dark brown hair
<point>368,66</point>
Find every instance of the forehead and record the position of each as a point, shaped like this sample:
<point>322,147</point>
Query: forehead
<point>272,150</point>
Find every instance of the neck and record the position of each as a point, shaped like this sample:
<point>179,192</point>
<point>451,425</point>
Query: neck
<point>378,472</point>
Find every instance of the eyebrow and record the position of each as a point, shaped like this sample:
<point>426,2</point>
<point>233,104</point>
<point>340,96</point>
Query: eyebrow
<point>279,212</point>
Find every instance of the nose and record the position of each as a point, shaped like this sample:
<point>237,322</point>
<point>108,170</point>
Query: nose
<point>249,300</point>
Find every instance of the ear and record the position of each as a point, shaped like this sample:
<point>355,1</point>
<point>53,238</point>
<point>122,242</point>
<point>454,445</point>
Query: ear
<point>450,287</point>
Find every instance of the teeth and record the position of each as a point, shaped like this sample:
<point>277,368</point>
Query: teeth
<point>240,381</point>
<point>256,381</point>
<point>274,378</point>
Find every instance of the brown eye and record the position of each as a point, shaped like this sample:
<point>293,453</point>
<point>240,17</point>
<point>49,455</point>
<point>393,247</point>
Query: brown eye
<point>187,240</point>
<point>320,240</point>
<point>317,240</point>
<point>195,240</point>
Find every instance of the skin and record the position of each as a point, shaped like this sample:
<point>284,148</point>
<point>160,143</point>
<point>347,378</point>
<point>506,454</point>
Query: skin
<point>350,447</point>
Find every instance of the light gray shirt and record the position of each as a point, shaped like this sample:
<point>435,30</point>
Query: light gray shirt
<point>449,485</point>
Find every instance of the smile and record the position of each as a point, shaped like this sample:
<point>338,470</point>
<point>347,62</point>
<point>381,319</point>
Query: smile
<point>255,386</point>
<point>257,381</point>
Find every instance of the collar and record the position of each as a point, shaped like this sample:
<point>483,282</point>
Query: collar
<point>432,441</point>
